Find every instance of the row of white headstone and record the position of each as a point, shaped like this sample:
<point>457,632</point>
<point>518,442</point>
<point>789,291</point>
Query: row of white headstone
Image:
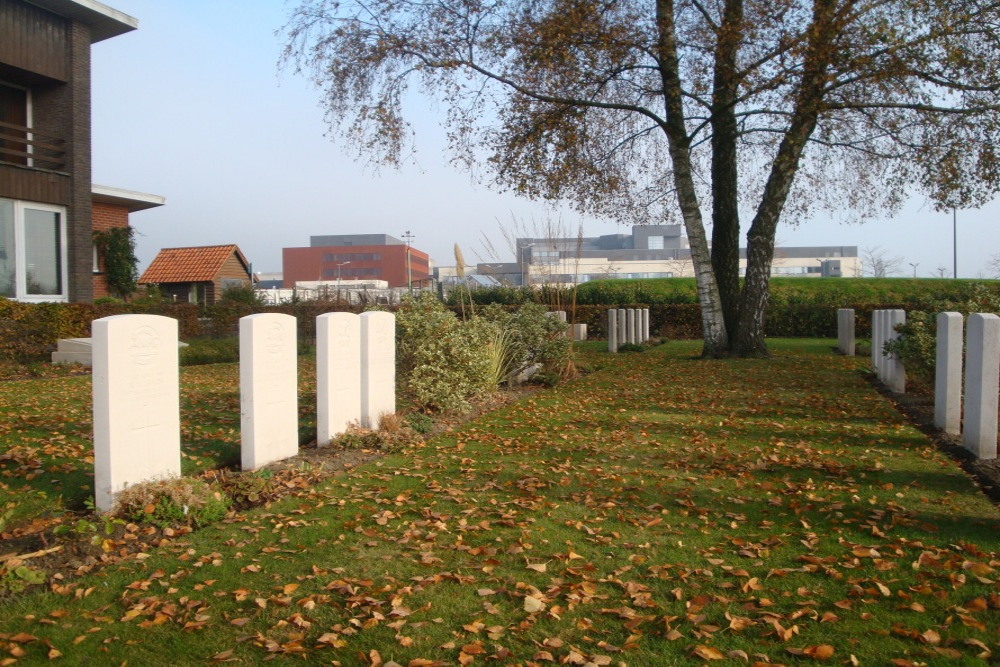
<point>888,367</point>
<point>627,326</point>
<point>136,390</point>
<point>981,343</point>
<point>982,379</point>
<point>577,332</point>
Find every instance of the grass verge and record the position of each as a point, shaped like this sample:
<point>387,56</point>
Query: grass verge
<point>661,510</point>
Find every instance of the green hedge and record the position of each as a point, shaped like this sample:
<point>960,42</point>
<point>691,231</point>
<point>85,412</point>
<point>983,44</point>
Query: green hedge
<point>29,331</point>
<point>683,321</point>
<point>799,307</point>
<point>790,291</point>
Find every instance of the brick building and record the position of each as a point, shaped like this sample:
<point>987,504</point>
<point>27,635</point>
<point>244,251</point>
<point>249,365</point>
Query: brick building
<point>355,257</point>
<point>198,274</point>
<point>46,195</point>
<point>110,209</point>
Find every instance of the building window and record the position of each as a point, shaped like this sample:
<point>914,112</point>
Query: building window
<point>655,243</point>
<point>15,108</point>
<point>544,256</point>
<point>32,251</point>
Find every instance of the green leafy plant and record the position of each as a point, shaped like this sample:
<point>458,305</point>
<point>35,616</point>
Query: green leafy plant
<point>439,357</point>
<point>181,501</point>
<point>500,352</point>
<point>916,344</point>
<point>210,351</point>
<point>419,422</point>
<point>116,247</point>
<point>17,579</point>
<point>248,489</point>
<point>245,294</point>
<point>534,337</point>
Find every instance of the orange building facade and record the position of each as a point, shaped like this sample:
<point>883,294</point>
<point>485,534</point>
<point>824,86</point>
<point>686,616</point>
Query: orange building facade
<point>386,262</point>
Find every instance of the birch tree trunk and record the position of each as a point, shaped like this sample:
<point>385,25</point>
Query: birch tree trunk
<point>716,340</point>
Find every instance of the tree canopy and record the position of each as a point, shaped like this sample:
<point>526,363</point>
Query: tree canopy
<point>689,110</point>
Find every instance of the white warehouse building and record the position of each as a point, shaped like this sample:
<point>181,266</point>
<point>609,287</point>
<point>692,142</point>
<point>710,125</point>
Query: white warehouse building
<point>650,251</point>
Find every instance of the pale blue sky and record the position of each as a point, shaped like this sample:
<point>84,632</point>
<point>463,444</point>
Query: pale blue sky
<point>192,107</point>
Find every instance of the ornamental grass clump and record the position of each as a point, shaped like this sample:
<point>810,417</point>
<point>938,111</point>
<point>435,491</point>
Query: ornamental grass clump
<point>500,351</point>
<point>536,339</point>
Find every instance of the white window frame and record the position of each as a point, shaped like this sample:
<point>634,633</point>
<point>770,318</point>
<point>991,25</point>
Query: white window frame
<point>20,263</point>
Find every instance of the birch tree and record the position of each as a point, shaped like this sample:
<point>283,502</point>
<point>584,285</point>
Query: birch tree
<point>695,111</point>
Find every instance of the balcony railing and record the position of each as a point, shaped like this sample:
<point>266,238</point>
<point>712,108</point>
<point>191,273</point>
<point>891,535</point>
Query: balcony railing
<point>23,145</point>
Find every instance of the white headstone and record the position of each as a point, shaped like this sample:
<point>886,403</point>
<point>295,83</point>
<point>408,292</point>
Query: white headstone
<point>269,404</point>
<point>645,324</point>
<point>622,327</point>
<point>876,332</point>
<point>948,373</point>
<point>579,332</point>
<point>612,330</point>
<point>897,372</point>
<point>845,331</point>
<point>136,403</point>
<point>882,365</point>
<point>630,326</point>
<point>378,367</point>
<point>338,374</point>
<point>982,377</point>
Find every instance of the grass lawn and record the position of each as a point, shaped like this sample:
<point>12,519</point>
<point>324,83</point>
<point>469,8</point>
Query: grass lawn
<point>661,510</point>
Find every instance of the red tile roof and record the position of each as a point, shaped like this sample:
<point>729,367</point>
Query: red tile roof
<point>190,265</point>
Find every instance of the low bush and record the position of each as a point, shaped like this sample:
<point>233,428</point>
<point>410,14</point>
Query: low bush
<point>181,501</point>
<point>532,337</point>
<point>202,351</point>
<point>248,489</point>
<point>393,434</point>
<point>916,345</point>
<point>439,358</point>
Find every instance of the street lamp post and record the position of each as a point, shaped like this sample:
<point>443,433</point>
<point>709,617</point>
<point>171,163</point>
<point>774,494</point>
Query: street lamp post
<point>409,277</point>
<point>914,265</point>
<point>338,277</point>
<point>954,240</point>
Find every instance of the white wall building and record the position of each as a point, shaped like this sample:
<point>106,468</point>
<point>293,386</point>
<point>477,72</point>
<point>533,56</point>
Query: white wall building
<point>651,251</point>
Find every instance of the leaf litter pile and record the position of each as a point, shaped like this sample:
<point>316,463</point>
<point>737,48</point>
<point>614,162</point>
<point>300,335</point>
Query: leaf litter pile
<point>662,510</point>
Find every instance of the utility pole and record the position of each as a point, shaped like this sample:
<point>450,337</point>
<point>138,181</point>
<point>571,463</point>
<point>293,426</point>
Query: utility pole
<point>409,277</point>
<point>954,240</point>
<point>338,278</point>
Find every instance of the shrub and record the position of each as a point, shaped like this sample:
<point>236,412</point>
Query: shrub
<point>121,266</point>
<point>248,489</point>
<point>420,423</point>
<point>534,337</point>
<point>245,294</point>
<point>916,345</point>
<point>393,434</point>
<point>440,358</point>
<point>210,351</point>
<point>181,501</point>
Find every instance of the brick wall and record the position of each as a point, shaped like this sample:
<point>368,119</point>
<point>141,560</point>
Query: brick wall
<point>105,217</point>
<point>80,234</point>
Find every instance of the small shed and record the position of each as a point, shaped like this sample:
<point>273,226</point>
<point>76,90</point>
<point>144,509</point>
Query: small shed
<point>198,274</point>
